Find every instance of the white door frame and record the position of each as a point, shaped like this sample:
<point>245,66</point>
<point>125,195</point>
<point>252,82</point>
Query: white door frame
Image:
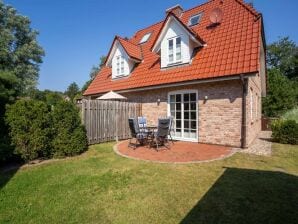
<point>182,114</point>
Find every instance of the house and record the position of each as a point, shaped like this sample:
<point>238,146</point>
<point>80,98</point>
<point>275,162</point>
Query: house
<point>204,66</point>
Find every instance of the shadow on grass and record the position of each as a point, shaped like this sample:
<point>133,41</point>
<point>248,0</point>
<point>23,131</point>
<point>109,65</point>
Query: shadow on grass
<point>7,172</point>
<point>248,196</point>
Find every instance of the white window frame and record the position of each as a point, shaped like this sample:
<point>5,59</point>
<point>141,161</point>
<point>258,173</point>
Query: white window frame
<point>193,16</point>
<point>145,38</point>
<point>120,67</point>
<point>175,61</point>
<point>182,114</point>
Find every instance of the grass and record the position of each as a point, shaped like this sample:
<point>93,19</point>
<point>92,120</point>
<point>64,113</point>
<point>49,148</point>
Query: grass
<point>102,187</point>
<point>291,115</point>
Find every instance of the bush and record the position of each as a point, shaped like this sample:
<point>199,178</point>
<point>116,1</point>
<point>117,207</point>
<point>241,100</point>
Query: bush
<point>29,125</point>
<point>69,135</point>
<point>39,132</point>
<point>285,131</point>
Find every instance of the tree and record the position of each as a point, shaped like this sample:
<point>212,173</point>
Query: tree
<point>30,128</point>
<point>19,51</point>
<point>8,81</point>
<point>281,94</point>
<point>283,55</point>
<point>72,90</point>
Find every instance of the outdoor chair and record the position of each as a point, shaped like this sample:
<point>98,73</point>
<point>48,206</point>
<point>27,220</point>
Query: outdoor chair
<point>140,137</point>
<point>171,128</point>
<point>142,121</point>
<point>160,137</point>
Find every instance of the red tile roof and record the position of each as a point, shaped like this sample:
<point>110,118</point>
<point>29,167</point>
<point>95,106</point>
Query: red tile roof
<point>233,47</point>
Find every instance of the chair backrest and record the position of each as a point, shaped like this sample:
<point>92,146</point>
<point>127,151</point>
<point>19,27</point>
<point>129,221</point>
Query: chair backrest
<point>163,127</point>
<point>142,121</point>
<point>133,126</point>
<point>171,128</point>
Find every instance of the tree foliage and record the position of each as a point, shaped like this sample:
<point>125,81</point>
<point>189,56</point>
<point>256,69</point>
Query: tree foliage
<point>282,64</point>
<point>8,81</point>
<point>19,51</point>
<point>283,55</point>
<point>72,90</point>
<point>30,131</point>
<point>281,94</point>
<point>50,97</point>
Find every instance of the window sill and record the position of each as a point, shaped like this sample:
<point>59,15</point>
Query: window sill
<point>174,63</point>
<point>119,77</point>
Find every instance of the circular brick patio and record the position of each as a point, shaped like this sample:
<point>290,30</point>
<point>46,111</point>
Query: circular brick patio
<point>180,152</point>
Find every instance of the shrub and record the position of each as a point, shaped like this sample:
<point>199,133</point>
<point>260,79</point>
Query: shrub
<point>29,125</point>
<point>69,135</point>
<point>285,131</point>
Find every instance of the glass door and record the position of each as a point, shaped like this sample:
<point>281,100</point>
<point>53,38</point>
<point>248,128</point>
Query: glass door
<point>183,108</point>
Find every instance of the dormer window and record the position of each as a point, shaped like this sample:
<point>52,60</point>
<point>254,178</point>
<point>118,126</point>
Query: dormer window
<point>174,50</point>
<point>120,65</point>
<point>145,38</point>
<point>195,19</point>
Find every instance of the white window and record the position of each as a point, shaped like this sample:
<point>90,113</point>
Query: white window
<point>251,105</point>
<point>120,65</point>
<point>145,38</point>
<point>195,19</point>
<point>174,50</point>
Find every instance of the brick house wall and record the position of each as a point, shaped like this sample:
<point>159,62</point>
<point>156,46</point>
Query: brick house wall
<point>253,109</point>
<point>219,117</point>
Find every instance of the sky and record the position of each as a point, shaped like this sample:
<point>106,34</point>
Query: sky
<point>75,33</point>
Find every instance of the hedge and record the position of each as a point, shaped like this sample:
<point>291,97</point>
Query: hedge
<point>285,131</point>
<point>38,130</point>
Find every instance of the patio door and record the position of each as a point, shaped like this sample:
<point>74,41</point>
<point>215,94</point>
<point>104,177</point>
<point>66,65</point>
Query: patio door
<point>182,106</point>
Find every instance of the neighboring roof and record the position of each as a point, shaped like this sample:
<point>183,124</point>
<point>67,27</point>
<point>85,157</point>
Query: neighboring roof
<point>111,96</point>
<point>132,50</point>
<point>233,47</point>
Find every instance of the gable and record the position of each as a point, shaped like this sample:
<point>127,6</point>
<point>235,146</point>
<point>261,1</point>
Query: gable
<point>116,50</point>
<point>173,26</point>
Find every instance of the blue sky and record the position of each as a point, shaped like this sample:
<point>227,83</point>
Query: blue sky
<point>75,33</point>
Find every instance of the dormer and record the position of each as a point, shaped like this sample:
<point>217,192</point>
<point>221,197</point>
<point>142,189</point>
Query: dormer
<point>175,42</point>
<point>123,57</point>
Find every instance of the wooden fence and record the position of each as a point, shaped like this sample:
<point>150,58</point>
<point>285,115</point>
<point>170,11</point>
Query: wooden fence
<point>107,120</point>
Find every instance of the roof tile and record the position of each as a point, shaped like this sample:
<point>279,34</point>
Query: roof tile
<point>232,48</point>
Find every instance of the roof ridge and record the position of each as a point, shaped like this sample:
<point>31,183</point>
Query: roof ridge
<point>205,3</point>
<point>161,21</point>
<point>251,9</point>
<point>148,27</point>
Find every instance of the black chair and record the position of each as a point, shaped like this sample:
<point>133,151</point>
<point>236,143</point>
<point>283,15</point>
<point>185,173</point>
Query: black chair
<point>171,128</point>
<point>140,137</point>
<point>160,137</point>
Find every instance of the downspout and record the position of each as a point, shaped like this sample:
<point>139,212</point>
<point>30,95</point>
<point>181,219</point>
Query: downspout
<point>243,120</point>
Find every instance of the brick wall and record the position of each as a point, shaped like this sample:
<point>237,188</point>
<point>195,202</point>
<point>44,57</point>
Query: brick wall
<point>253,109</point>
<point>219,116</point>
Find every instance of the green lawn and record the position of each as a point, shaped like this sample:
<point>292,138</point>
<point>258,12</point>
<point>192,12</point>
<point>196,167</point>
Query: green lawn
<point>101,187</point>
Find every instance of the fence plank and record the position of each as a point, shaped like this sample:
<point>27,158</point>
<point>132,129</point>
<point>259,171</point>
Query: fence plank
<point>107,120</point>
